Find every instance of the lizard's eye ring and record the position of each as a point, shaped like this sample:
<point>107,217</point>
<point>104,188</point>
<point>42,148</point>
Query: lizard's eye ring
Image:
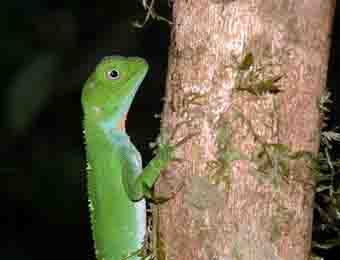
<point>113,74</point>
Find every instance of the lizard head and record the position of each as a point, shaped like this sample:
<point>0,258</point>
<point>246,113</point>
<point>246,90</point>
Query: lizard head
<point>109,91</point>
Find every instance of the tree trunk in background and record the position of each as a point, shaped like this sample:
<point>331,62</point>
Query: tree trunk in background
<point>239,201</point>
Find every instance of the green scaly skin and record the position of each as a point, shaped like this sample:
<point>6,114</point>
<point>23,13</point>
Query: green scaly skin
<point>117,183</point>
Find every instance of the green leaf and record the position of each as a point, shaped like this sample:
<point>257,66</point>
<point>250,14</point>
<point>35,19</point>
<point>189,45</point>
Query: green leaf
<point>328,244</point>
<point>247,61</point>
<point>30,91</point>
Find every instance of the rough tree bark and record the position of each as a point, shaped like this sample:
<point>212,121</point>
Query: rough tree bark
<point>239,201</point>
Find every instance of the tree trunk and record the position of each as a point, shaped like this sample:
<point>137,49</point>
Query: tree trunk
<point>244,82</point>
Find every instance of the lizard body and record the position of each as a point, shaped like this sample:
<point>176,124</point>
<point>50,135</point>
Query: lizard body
<point>117,183</point>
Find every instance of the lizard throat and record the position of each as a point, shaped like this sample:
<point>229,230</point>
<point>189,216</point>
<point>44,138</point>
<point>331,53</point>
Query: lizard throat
<point>121,123</point>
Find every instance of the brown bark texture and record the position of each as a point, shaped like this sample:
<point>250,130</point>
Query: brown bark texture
<point>248,193</point>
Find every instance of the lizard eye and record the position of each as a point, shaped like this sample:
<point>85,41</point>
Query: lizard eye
<point>113,74</point>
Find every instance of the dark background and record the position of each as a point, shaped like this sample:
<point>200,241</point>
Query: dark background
<point>48,50</point>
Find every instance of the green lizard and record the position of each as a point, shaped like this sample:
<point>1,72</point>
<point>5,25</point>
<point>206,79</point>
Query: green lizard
<point>117,183</point>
